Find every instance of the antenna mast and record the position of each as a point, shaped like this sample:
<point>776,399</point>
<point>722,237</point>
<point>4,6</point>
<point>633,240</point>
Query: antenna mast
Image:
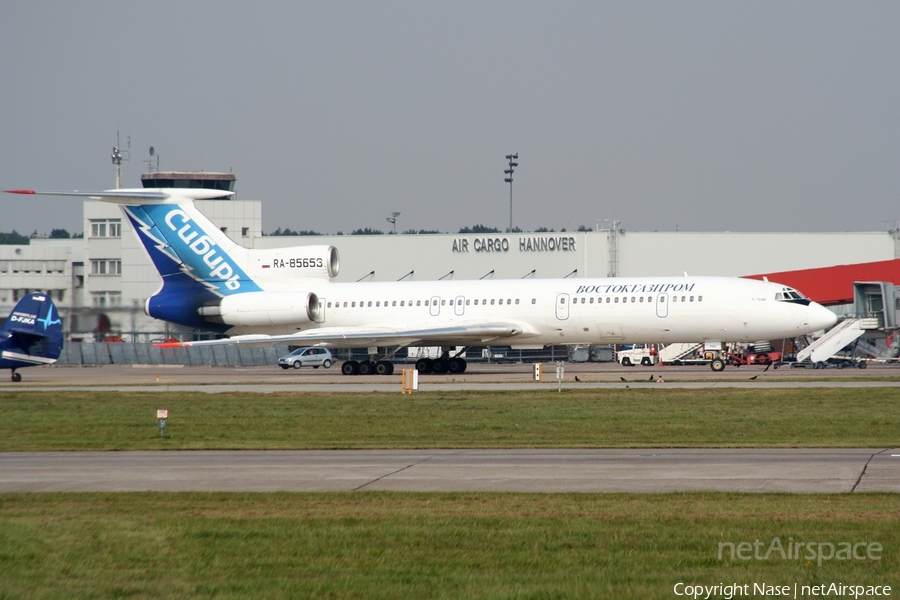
<point>118,156</point>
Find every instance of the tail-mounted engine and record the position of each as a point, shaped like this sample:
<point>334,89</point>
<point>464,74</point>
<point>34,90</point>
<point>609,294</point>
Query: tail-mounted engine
<point>300,261</point>
<point>261,309</point>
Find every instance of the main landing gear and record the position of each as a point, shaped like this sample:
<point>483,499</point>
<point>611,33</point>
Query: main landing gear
<point>368,367</point>
<point>372,366</point>
<point>441,365</point>
<point>16,377</point>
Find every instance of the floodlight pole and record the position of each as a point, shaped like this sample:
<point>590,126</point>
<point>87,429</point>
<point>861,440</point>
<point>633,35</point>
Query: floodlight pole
<point>393,220</point>
<point>509,180</point>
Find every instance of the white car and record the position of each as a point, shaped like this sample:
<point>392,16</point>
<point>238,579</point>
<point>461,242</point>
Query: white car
<point>307,357</point>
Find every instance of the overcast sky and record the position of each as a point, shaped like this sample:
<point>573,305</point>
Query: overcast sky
<point>700,116</point>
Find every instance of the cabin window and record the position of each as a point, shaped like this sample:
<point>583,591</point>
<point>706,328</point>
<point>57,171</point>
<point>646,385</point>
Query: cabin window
<point>377,303</point>
<point>683,299</point>
<point>345,305</point>
<point>426,303</point>
<point>692,298</point>
<point>443,303</point>
<point>476,301</point>
<point>468,302</point>
<point>492,301</point>
<point>617,299</point>
<point>329,305</point>
<point>451,302</point>
<point>354,305</point>
<point>699,298</point>
<point>517,301</point>
<point>674,298</point>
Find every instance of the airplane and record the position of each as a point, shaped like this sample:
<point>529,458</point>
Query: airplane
<point>288,296</point>
<point>31,335</point>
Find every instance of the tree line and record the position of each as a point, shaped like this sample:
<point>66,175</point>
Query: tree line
<point>14,238</point>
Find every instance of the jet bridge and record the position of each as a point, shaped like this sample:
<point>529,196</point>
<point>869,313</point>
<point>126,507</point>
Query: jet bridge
<point>874,316</point>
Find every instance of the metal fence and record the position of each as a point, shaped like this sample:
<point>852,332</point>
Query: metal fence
<point>147,354</point>
<point>135,353</point>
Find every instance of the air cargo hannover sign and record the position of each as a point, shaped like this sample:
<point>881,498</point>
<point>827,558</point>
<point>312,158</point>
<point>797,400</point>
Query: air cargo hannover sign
<point>537,243</point>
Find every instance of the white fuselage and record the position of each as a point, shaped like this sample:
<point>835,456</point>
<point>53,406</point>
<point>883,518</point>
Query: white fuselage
<point>568,311</point>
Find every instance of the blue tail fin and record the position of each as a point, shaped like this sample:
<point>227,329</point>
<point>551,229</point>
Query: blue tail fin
<point>31,334</point>
<point>198,263</point>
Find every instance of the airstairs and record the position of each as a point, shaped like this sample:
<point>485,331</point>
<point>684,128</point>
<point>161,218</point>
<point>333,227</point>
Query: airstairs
<point>844,333</point>
<point>674,352</point>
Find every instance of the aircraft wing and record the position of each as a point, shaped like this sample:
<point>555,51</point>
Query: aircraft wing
<point>463,334</point>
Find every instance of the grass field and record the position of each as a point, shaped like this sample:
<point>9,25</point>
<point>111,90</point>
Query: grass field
<point>407,545</point>
<point>431,545</point>
<point>86,420</point>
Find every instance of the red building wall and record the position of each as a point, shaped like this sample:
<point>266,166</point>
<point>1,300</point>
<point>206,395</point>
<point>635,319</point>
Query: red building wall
<point>834,285</point>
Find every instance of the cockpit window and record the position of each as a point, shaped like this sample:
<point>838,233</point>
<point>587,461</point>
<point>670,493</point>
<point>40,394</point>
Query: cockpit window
<point>791,295</point>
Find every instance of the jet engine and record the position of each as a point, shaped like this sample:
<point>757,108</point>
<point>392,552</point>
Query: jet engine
<point>301,261</point>
<point>262,309</point>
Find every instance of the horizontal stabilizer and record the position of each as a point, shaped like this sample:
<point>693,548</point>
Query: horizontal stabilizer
<point>136,196</point>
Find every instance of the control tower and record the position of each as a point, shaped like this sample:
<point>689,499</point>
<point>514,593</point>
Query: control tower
<point>190,179</point>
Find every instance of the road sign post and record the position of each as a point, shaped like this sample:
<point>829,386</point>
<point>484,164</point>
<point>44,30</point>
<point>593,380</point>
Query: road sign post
<point>162,415</point>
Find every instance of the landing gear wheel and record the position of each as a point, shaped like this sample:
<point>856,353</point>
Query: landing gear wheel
<point>424,365</point>
<point>717,365</point>
<point>366,367</point>
<point>440,365</point>
<point>351,367</point>
<point>16,377</point>
<point>457,365</point>
<point>384,367</point>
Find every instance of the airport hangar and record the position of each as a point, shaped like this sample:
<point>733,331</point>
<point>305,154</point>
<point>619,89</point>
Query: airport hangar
<point>100,281</point>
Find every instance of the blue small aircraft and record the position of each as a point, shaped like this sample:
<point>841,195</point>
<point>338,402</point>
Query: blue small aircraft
<point>31,335</point>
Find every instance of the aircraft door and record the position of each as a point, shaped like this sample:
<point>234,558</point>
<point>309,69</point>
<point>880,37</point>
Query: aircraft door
<point>459,308</point>
<point>662,305</point>
<point>435,307</point>
<point>562,306</point>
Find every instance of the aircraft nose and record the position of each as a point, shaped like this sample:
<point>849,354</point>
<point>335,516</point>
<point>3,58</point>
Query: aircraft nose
<point>820,317</point>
